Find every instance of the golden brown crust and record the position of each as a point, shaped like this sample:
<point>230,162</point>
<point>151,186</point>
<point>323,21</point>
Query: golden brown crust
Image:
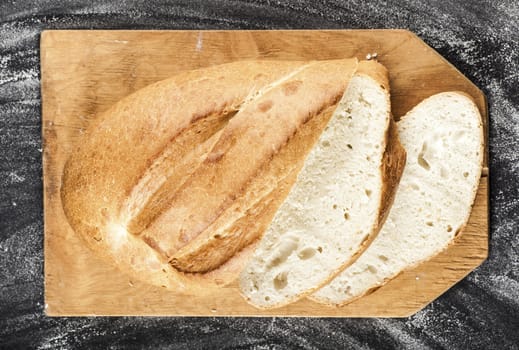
<point>158,113</point>
<point>393,163</point>
<point>393,160</point>
<point>376,71</point>
<point>142,132</point>
<point>174,167</point>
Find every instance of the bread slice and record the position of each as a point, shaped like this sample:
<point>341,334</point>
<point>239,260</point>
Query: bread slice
<point>443,136</point>
<point>339,201</point>
<point>139,155</point>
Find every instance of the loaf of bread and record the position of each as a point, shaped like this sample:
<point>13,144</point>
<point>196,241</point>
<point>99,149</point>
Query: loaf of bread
<point>443,136</point>
<point>339,201</point>
<point>175,182</point>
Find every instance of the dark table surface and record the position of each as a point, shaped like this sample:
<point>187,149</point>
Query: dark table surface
<point>481,38</point>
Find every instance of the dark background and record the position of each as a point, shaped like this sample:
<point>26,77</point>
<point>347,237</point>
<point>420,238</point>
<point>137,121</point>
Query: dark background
<point>481,38</point>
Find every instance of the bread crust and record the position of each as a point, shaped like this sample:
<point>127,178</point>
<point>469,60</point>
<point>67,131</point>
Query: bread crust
<point>112,160</point>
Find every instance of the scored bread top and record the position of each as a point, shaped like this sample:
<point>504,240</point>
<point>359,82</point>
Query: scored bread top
<point>142,154</point>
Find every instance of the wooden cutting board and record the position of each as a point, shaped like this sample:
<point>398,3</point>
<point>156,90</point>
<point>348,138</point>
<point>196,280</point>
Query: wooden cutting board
<point>84,72</point>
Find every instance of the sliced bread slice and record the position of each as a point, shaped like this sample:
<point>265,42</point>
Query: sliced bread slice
<point>443,136</point>
<point>339,201</point>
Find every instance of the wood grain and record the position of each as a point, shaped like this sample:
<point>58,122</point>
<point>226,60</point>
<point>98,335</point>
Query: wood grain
<point>84,72</point>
